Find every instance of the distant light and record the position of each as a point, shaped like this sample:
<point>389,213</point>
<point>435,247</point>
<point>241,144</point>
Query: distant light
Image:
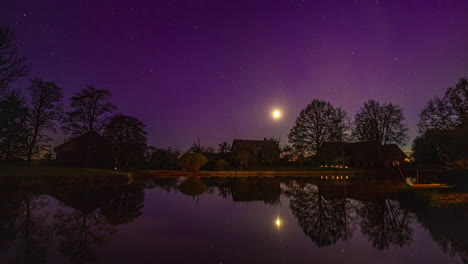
<point>278,222</point>
<point>276,114</point>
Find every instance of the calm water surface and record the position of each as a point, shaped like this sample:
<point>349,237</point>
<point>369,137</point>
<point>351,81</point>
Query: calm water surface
<point>229,220</point>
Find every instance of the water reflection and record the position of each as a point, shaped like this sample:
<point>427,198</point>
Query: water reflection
<point>23,226</point>
<point>81,221</point>
<point>324,221</point>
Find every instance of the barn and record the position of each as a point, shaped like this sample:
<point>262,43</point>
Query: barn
<point>90,150</point>
<point>361,154</point>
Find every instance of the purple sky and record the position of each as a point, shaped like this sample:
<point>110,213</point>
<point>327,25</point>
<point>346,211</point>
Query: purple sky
<point>215,69</point>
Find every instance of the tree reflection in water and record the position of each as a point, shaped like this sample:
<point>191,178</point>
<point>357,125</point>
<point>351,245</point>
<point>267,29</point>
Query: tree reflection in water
<point>79,222</point>
<point>385,224</point>
<point>324,221</point>
<point>125,205</point>
<point>24,226</point>
<point>329,220</point>
<point>80,232</point>
<point>327,213</point>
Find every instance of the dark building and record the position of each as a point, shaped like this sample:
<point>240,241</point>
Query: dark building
<point>256,151</point>
<point>360,154</point>
<point>88,150</point>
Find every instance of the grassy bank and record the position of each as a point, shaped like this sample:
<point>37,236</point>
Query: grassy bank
<point>24,176</point>
<point>307,173</point>
<point>43,175</point>
<point>437,196</point>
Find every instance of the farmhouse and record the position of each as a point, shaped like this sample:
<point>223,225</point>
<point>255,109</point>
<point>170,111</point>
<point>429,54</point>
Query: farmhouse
<point>89,150</point>
<point>360,154</point>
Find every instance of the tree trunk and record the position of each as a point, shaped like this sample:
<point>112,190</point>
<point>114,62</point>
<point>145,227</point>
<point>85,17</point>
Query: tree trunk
<point>31,146</point>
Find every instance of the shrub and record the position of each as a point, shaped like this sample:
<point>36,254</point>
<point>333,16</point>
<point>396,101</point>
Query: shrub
<point>193,161</point>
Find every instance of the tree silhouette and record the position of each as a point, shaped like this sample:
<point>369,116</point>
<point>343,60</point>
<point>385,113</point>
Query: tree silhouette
<point>380,122</point>
<point>129,135</point>
<point>12,65</point>
<point>448,112</point>
<point>13,129</point>
<point>224,150</point>
<point>443,129</point>
<point>45,109</point>
<point>317,123</point>
<point>162,159</point>
<point>91,110</point>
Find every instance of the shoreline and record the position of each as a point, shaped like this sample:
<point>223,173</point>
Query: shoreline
<point>56,176</point>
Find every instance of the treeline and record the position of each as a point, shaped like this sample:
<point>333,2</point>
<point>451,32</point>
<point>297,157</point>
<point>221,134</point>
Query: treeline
<point>26,122</point>
<point>443,128</point>
<point>322,122</point>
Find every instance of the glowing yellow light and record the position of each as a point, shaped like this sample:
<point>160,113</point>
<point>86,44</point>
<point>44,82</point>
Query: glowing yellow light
<point>278,222</point>
<point>276,114</point>
<point>346,177</point>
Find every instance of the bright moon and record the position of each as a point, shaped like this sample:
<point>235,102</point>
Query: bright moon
<point>278,222</point>
<point>276,114</point>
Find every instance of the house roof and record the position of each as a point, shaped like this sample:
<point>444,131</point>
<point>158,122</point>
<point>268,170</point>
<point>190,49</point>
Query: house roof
<point>88,134</point>
<point>392,151</point>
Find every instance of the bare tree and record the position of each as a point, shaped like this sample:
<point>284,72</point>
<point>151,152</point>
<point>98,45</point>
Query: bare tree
<point>45,110</point>
<point>317,123</point>
<point>129,135</point>
<point>91,110</point>
<point>12,65</point>
<point>448,112</point>
<point>380,122</point>
<point>13,129</point>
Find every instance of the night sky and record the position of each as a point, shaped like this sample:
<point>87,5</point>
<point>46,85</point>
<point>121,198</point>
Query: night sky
<point>214,69</point>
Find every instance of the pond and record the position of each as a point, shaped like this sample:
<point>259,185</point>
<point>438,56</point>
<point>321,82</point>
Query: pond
<point>229,220</point>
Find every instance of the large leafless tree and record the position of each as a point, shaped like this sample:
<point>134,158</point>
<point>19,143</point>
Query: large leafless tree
<point>12,65</point>
<point>381,122</point>
<point>13,129</point>
<point>91,111</point>
<point>44,111</point>
<point>447,112</point>
<point>318,122</point>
